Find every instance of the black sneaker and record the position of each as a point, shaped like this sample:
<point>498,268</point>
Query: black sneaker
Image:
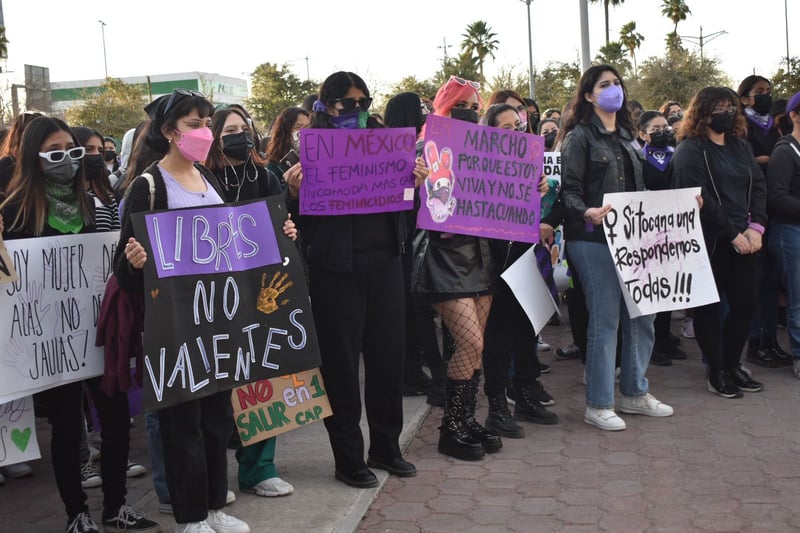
<point>544,369</point>
<point>541,395</point>
<point>670,350</point>
<point>659,358</point>
<point>128,519</point>
<point>760,355</point>
<point>82,523</point>
<point>745,383</point>
<point>720,384</point>
<point>570,351</point>
<point>777,353</point>
<point>674,340</point>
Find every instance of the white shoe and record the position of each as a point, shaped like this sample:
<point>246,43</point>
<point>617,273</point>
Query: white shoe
<point>194,527</point>
<point>271,488</point>
<point>605,419</point>
<point>541,345</point>
<point>644,405</point>
<point>17,471</point>
<point>135,470</point>
<point>223,523</point>
<point>230,497</point>
<point>94,454</point>
<point>687,328</point>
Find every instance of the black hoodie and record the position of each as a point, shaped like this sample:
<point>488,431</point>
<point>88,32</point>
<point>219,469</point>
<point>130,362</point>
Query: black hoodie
<point>783,181</point>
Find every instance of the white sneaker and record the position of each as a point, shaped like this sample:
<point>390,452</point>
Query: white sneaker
<point>644,405</point>
<point>271,488</point>
<point>230,497</point>
<point>90,476</point>
<point>223,523</point>
<point>135,470</point>
<point>687,328</point>
<point>605,419</point>
<point>17,471</point>
<point>194,527</point>
<point>541,345</point>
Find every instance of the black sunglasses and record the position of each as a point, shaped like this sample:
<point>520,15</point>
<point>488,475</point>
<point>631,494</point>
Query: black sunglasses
<point>349,104</point>
<point>180,92</point>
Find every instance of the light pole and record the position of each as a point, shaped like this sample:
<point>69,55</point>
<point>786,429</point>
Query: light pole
<point>530,48</point>
<point>103,32</point>
<point>786,17</point>
<point>586,60</point>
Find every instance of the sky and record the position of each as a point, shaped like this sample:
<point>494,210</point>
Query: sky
<point>381,41</point>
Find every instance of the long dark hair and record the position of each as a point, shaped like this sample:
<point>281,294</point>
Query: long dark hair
<point>582,110</point>
<point>142,155</point>
<point>404,110</point>
<point>10,145</point>
<point>334,87</point>
<point>100,185</point>
<point>280,136</point>
<point>490,117</point>
<point>216,159</point>
<point>26,191</point>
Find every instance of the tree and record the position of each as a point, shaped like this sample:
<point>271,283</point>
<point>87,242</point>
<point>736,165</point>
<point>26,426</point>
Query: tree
<point>676,11</point>
<point>676,76</point>
<point>506,79</point>
<point>113,108</point>
<point>424,88</point>
<point>479,42</point>
<point>785,84</point>
<point>631,40</point>
<point>273,89</point>
<point>614,54</point>
<point>3,43</point>
<point>557,83</point>
<point>607,3</point>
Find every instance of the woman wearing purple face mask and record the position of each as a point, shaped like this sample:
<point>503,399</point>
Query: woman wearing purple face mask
<point>194,434</point>
<point>598,157</point>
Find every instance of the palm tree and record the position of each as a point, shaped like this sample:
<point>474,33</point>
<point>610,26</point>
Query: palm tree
<point>676,11</point>
<point>607,3</point>
<point>479,42</point>
<point>631,39</point>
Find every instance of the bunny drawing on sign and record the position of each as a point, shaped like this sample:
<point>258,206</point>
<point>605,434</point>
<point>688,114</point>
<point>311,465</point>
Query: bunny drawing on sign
<point>439,184</point>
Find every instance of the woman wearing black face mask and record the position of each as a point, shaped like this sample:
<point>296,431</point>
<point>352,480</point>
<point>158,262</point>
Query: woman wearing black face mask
<point>235,161</point>
<point>712,155</point>
<point>97,183</point>
<point>755,95</point>
<point>548,128</point>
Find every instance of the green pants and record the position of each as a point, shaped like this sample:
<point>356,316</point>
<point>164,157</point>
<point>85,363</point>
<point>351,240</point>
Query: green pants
<point>256,463</point>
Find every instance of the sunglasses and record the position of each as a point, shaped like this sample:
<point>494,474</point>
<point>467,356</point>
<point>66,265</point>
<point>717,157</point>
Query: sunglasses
<point>349,104</point>
<point>180,92</point>
<point>461,81</point>
<point>56,156</point>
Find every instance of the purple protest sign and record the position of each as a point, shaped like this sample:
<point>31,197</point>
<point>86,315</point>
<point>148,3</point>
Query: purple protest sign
<point>348,172</point>
<point>483,181</point>
<point>230,238</point>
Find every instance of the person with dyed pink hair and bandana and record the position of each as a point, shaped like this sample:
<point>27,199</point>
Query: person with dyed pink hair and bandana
<point>456,274</point>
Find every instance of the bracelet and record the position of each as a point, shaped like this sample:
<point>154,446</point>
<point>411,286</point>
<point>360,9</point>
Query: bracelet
<point>755,226</point>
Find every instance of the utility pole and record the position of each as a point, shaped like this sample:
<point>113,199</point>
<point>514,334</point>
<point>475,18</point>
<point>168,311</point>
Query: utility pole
<point>786,18</point>
<point>444,48</point>
<point>103,32</point>
<point>530,49</point>
<point>308,72</point>
<point>701,39</point>
<point>586,59</point>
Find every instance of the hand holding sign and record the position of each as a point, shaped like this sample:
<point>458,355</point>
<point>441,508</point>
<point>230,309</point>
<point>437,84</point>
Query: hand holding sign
<point>135,253</point>
<point>595,215</point>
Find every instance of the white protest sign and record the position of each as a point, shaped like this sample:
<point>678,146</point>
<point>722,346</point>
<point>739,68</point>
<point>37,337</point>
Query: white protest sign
<point>48,317</point>
<point>551,166</point>
<point>530,290</point>
<point>18,432</point>
<point>657,245</point>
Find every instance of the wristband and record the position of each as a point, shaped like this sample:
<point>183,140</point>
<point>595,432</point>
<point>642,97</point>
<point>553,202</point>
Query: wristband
<point>756,227</point>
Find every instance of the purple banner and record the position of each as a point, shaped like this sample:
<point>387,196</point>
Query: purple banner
<point>231,238</point>
<point>483,181</point>
<point>347,172</point>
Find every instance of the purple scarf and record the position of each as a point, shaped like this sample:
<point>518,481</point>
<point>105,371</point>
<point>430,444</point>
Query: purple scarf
<point>658,157</point>
<point>762,121</point>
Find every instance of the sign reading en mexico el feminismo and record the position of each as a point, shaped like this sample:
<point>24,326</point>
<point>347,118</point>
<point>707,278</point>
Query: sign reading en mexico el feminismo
<point>483,181</point>
<point>350,172</point>
<point>225,300</point>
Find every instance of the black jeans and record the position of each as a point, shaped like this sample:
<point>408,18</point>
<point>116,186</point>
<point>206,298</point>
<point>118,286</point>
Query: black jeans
<point>722,341</point>
<point>195,437</point>
<point>509,334</point>
<point>661,325</point>
<point>64,407</point>
<point>354,313</point>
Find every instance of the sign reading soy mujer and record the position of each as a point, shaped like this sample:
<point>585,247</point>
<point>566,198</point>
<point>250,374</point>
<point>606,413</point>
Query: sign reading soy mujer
<point>225,300</point>
<point>658,249</point>
<point>483,181</point>
<point>357,171</point>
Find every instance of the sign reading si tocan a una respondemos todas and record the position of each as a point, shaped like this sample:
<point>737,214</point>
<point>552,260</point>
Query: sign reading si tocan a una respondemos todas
<point>483,181</point>
<point>225,300</point>
<point>657,245</point>
<point>350,172</point>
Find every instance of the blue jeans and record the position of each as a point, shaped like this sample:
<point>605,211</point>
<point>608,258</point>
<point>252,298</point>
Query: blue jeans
<point>156,449</point>
<point>607,311</point>
<point>789,241</point>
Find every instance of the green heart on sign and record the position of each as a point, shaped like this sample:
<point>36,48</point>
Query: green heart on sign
<point>21,438</point>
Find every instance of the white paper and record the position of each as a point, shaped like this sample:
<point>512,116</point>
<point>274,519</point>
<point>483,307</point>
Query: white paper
<point>530,289</point>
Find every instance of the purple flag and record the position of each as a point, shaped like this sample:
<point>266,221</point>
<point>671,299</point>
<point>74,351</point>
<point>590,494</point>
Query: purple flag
<point>483,181</point>
<point>349,172</point>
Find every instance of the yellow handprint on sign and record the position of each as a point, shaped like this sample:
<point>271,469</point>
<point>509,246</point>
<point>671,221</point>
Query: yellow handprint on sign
<point>268,296</point>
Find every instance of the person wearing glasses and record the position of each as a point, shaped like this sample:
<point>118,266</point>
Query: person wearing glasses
<point>356,279</point>
<point>599,157</point>
<point>713,155</point>
<point>47,197</point>
<point>194,434</point>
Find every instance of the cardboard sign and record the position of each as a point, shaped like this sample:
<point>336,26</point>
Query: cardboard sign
<point>18,432</point>
<point>240,312</point>
<point>657,244</point>
<point>49,315</point>
<point>483,181</point>
<point>359,171</point>
<point>7,272</point>
<point>269,407</point>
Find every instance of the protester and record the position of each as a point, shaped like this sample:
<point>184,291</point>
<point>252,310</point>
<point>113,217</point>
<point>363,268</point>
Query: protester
<point>285,137</point>
<point>671,109</point>
<point>548,128</point>
<point>712,155</point>
<point>533,114</point>
<point>9,148</point>
<point>597,151</point>
<point>47,197</point>
<point>110,154</point>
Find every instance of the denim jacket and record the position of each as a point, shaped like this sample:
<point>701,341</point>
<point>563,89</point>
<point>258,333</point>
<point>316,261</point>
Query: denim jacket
<point>590,168</point>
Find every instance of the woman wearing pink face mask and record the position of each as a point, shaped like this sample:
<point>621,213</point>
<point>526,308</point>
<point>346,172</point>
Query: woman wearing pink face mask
<point>195,433</point>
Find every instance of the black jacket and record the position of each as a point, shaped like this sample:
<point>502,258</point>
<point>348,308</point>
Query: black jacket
<point>590,168</point>
<point>728,205</point>
<point>783,181</point>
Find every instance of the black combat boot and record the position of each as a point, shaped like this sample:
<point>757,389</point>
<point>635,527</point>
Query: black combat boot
<point>454,437</point>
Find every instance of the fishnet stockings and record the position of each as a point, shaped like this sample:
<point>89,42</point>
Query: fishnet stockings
<point>465,318</point>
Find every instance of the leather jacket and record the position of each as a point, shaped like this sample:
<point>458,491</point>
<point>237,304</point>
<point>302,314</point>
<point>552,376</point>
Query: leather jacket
<point>592,165</point>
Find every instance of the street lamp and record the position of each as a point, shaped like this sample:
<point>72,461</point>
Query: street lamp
<point>103,32</point>
<point>530,48</point>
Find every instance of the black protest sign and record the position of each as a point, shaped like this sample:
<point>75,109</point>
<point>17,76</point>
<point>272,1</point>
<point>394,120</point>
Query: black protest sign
<point>225,300</point>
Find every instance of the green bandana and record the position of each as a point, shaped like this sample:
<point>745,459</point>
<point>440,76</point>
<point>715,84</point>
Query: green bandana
<point>62,208</point>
